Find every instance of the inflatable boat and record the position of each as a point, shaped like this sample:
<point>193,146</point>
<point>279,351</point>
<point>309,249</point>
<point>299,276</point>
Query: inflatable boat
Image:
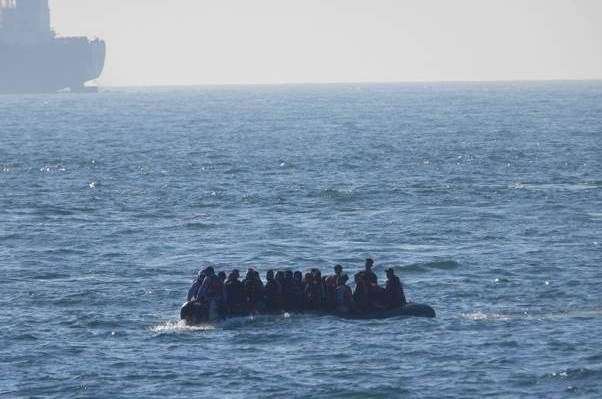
<point>194,312</point>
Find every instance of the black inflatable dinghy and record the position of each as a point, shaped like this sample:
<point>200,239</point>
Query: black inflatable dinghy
<point>198,312</point>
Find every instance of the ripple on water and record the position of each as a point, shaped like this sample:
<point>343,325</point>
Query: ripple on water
<point>424,267</point>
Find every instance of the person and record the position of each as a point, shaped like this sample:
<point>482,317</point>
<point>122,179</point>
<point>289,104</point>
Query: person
<point>253,290</point>
<point>271,293</point>
<point>330,286</point>
<point>298,292</point>
<point>196,284</point>
<point>288,291</point>
<point>314,291</point>
<point>394,295</point>
<point>343,295</point>
<point>371,277</point>
<point>360,294</point>
<point>234,295</point>
<point>212,291</point>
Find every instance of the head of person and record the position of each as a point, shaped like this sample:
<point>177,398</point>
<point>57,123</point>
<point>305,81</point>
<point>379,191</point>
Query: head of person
<point>369,264</point>
<point>250,273</point>
<point>390,273</point>
<point>338,269</point>
<point>288,275</point>
<point>279,276</point>
<point>222,276</point>
<point>359,277</point>
<point>269,275</point>
<point>298,276</point>
<point>201,275</point>
<point>234,275</point>
<point>210,271</point>
<point>317,274</point>
<point>308,277</point>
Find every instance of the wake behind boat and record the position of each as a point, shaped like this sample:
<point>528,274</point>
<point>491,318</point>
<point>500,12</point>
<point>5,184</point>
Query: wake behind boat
<point>212,297</point>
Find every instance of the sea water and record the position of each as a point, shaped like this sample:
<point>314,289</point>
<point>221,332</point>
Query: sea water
<point>485,198</point>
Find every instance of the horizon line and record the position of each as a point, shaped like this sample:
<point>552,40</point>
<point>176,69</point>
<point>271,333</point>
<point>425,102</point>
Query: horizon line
<point>359,82</point>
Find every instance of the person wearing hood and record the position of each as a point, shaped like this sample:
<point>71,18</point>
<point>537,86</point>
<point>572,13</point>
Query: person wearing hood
<point>272,292</point>
<point>288,291</point>
<point>212,290</point>
<point>196,284</point>
<point>234,296</point>
<point>253,290</point>
<point>394,295</point>
<point>343,295</point>
<point>330,286</point>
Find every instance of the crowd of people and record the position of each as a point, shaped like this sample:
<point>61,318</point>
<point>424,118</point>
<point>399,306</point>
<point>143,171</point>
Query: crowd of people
<point>294,292</point>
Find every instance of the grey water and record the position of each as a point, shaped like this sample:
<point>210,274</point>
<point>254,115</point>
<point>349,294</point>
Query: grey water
<point>485,197</point>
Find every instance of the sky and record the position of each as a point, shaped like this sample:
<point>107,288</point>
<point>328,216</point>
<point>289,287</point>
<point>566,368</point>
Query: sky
<point>194,42</point>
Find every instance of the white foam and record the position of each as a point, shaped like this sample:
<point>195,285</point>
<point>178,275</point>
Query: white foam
<point>179,327</point>
<point>477,316</point>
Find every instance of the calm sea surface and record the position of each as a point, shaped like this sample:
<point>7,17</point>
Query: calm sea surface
<point>486,198</point>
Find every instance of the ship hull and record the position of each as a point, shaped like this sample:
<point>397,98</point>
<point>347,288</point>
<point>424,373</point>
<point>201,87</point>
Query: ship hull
<point>47,67</point>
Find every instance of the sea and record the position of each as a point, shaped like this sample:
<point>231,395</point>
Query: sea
<point>486,199</point>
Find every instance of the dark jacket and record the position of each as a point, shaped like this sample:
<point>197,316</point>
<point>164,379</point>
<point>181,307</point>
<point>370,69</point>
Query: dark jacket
<point>272,295</point>
<point>253,291</point>
<point>394,295</point>
<point>234,295</point>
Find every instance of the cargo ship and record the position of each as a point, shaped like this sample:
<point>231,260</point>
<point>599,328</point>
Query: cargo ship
<point>33,59</point>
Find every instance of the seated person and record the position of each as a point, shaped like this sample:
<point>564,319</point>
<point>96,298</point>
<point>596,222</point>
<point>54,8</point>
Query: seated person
<point>344,297</point>
<point>394,295</point>
<point>253,290</point>
<point>288,291</point>
<point>271,292</point>
<point>370,275</point>
<point>234,295</point>
<point>314,291</point>
<point>298,292</point>
<point>196,284</point>
<point>212,291</point>
<point>360,294</point>
<point>330,286</point>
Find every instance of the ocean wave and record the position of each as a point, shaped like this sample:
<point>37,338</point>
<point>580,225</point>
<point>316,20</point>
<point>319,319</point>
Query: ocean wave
<point>480,315</point>
<point>574,374</point>
<point>595,215</point>
<point>338,195</point>
<point>177,327</point>
<point>578,186</point>
<point>422,267</point>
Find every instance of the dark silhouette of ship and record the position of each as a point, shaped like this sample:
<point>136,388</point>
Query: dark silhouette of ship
<point>34,60</point>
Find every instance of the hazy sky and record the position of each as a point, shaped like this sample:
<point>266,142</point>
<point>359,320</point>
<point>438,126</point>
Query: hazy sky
<point>163,42</point>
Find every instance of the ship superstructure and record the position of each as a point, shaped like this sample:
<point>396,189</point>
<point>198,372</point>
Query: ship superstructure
<point>33,59</point>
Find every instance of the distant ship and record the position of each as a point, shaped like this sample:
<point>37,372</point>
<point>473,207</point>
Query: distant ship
<point>34,60</point>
